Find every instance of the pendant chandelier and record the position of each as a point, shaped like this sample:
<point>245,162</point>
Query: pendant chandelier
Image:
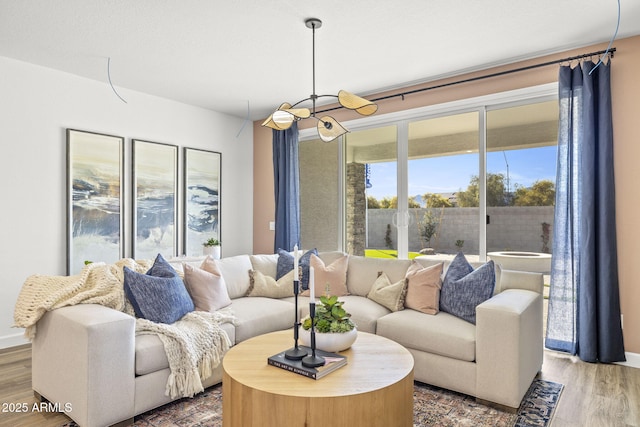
<point>328,127</point>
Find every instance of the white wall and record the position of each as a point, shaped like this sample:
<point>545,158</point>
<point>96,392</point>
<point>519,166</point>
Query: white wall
<point>36,106</point>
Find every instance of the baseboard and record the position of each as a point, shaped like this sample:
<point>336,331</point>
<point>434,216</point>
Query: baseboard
<point>633,360</point>
<point>13,340</point>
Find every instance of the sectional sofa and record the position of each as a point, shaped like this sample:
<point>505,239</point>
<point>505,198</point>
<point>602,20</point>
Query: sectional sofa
<point>89,356</point>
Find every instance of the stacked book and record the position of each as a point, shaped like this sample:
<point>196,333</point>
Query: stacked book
<point>333,361</point>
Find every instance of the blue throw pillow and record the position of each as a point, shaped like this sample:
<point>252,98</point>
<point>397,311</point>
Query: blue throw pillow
<point>285,265</point>
<point>464,288</point>
<point>159,295</point>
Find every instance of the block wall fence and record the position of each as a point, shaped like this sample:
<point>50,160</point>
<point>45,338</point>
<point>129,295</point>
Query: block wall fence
<point>510,229</point>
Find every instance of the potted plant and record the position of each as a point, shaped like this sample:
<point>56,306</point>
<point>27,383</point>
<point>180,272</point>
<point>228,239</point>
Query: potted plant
<point>212,247</point>
<point>335,331</point>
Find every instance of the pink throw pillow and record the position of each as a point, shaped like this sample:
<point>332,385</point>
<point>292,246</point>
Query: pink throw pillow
<point>423,288</point>
<point>329,279</point>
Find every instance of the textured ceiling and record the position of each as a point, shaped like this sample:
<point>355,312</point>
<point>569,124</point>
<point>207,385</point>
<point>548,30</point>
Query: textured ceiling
<point>225,55</point>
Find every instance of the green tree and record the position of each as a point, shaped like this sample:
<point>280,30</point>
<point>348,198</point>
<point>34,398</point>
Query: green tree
<point>433,200</point>
<point>389,203</point>
<point>496,194</point>
<point>413,203</point>
<point>541,193</point>
<point>372,203</point>
<point>429,225</point>
<point>392,203</point>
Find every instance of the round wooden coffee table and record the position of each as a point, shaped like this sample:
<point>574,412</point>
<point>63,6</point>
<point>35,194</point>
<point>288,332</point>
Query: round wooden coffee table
<point>375,388</point>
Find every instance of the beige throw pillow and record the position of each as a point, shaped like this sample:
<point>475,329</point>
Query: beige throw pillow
<point>387,294</point>
<point>208,290</point>
<point>262,285</point>
<point>423,288</point>
<point>329,279</point>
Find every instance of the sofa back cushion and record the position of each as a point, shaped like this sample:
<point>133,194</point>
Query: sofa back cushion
<point>235,271</point>
<point>363,272</point>
<point>330,256</point>
<point>267,264</point>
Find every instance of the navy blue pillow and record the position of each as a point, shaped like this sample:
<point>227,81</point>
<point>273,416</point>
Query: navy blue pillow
<point>285,265</point>
<point>159,295</point>
<point>464,288</point>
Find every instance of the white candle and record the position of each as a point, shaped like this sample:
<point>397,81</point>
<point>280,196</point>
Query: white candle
<point>295,262</point>
<point>312,293</point>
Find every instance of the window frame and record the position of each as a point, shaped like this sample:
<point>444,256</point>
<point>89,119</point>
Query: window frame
<point>401,119</point>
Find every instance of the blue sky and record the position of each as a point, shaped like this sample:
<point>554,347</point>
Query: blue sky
<point>449,174</point>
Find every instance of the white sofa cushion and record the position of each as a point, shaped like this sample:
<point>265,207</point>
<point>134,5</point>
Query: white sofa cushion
<point>363,272</point>
<point>266,264</point>
<point>258,315</point>
<point>442,334</point>
<point>330,256</point>
<point>235,271</point>
<point>364,312</point>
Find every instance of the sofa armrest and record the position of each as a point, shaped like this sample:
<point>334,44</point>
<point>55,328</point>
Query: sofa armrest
<point>509,347</point>
<point>510,279</point>
<point>83,358</point>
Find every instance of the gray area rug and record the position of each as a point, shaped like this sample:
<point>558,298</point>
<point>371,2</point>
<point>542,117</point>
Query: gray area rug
<point>432,406</point>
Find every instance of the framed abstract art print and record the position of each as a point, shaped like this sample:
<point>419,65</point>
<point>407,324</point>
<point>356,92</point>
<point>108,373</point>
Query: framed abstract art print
<point>201,199</point>
<point>154,184</point>
<point>94,198</point>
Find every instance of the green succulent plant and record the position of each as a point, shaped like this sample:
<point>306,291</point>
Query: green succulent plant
<point>212,242</point>
<point>330,317</point>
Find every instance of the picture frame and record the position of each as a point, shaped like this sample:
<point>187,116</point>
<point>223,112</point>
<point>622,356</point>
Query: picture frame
<point>154,180</point>
<point>94,198</point>
<point>202,173</point>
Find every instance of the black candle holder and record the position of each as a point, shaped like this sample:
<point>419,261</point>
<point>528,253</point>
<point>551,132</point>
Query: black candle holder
<point>311,360</point>
<point>296,353</point>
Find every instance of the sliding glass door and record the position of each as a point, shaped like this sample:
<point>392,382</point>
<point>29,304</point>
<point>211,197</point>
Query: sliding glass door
<point>476,178</point>
<point>443,156</point>
<point>521,170</point>
<point>371,192</point>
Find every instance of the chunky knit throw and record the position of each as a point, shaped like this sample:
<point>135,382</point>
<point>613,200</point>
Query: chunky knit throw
<point>194,344</point>
<point>97,283</point>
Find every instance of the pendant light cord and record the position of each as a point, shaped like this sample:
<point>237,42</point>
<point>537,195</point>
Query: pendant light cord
<point>615,34</point>
<point>313,68</point>
<point>109,77</point>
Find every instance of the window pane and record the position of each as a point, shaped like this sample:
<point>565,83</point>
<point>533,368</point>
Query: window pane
<point>521,170</point>
<point>371,192</point>
<point>443,171</point>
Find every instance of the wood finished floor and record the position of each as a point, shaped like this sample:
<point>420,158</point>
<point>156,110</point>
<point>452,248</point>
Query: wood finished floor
<point>594,395</point>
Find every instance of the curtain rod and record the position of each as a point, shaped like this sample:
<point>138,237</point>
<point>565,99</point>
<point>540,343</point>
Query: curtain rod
<point>487,76</point>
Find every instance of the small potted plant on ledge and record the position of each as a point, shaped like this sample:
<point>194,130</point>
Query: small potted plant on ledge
<point>212,247</point>
<point>335,331</point>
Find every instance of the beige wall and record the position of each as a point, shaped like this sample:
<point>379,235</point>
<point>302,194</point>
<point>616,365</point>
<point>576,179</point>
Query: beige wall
<point>626,111</point>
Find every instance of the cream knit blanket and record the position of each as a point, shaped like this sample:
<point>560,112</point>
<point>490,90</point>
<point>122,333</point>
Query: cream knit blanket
<point>97,283</point>
<point>194,344</point>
